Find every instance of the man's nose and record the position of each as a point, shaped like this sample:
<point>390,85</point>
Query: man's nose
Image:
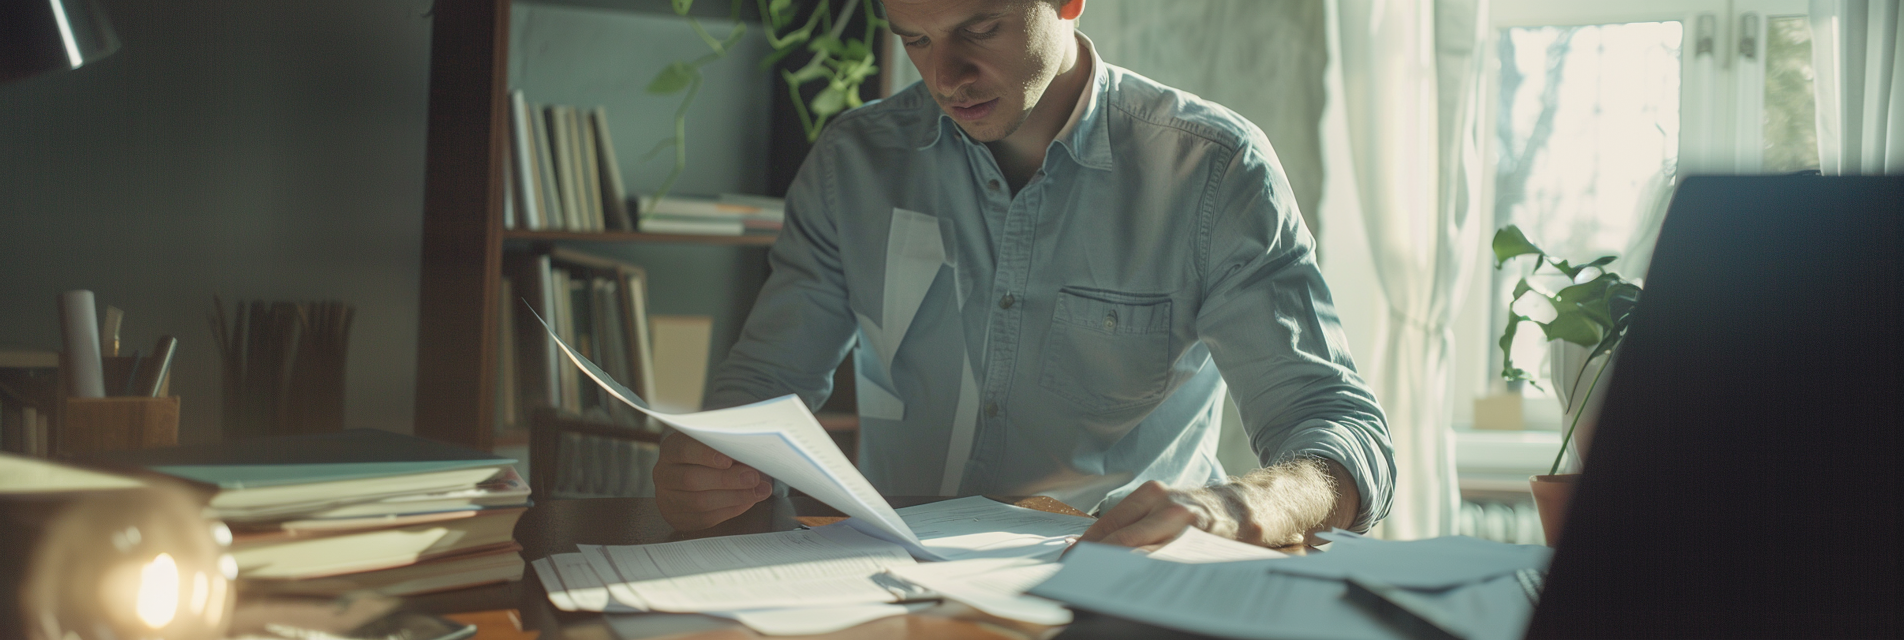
<point>952,71</point>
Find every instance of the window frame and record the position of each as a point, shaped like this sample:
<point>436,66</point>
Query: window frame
<point>1717,94</point>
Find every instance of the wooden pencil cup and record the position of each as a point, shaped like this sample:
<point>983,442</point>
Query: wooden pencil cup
<point>113,424</point>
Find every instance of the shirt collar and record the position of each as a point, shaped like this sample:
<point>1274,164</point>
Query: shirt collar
<point>1085,134</point>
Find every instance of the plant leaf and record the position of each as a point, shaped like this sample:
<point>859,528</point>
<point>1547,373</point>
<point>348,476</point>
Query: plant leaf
<point>681,7</point>
<point>1508,371</point>
<point>1510,242</point>
<point>673,78</point>
<point>830,101</point>
<point>1574,328</point>
<point>827,42</point>
<point>806,74</point>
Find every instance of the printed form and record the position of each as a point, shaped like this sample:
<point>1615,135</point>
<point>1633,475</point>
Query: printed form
<point>780,438</point>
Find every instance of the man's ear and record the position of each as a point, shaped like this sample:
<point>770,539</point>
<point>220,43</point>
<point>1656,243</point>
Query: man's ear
<point>1071,9</point>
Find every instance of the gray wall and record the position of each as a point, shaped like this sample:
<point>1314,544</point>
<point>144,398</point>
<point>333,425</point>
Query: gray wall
<point>274,150</point>
<point>254,150</point>
<point>1261,58</point>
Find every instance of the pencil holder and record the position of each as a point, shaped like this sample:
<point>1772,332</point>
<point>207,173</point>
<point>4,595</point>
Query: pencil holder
<point>111,424</point>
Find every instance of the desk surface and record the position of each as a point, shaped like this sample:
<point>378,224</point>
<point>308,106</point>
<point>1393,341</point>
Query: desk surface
<point>556,526</point>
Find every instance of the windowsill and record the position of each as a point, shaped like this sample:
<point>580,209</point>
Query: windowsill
<point>1502,460</point>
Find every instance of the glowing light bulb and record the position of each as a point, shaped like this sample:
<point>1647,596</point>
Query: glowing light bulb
<point>201,590</point>
<point>159,591</point>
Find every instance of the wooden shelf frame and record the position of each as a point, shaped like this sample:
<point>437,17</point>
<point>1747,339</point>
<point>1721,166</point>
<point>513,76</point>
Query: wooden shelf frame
<point>463,236</point>
<point>628,236</point>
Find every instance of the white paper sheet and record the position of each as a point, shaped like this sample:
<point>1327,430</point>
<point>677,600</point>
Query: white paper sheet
<point>781,438</point>
<point>816,620</point>
<point>1197,545</point>
<point>1228,599</point>
<point>994,586</point>
<point>979,527</point>
<point>829,566</point>
<point>573,586</point>
<point>1435,563</point>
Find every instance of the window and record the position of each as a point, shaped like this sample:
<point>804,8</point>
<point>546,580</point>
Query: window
<point>1591,110</point>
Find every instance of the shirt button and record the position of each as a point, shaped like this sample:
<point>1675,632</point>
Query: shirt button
<point>1007,301</point>
<point>991,184</point>
<point>991,409</point>
<point>1110,321</point>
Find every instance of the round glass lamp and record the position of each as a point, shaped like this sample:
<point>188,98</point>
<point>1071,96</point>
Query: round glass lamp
<point>142,562</point>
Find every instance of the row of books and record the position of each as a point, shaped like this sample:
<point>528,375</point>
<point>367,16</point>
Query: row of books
<point>354,511</point>
<point>29,393</point>
<point>564,176</point>
<point>599,307</point>
<point>563,171</point>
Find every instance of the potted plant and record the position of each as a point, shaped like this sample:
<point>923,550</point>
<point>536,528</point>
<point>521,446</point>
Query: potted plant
<point>1591,315</point>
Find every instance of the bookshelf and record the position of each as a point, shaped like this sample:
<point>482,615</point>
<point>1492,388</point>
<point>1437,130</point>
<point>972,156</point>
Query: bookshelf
<point>467,160</point>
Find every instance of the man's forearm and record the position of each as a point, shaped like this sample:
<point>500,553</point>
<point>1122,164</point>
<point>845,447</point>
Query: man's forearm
<point>1281,505</point>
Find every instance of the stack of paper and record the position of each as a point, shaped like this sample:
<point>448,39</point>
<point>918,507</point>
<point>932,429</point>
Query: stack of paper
<point>355,510</point>
<point>978,551</point>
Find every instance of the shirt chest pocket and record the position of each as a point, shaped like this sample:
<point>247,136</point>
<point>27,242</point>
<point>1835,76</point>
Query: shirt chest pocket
<point>1108,351</point>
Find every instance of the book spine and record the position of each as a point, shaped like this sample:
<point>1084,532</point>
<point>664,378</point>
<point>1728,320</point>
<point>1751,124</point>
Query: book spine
<point>616,195</point>
<point>522,146</point>
<point>591,172</point>
<point>563,158</point>
<point>508,416</point>
<point>551,356</point>
<point>572,170</point>
<point>546,185</point>
<point>642,347</point>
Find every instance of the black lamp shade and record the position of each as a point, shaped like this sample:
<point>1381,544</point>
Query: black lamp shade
<point>37,36</point>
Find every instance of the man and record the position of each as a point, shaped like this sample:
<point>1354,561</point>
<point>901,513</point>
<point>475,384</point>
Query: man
<point>1046,262</point>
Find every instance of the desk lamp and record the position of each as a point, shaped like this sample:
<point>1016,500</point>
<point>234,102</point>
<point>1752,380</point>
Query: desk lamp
<point>101,556</point>
<point>37,36</point>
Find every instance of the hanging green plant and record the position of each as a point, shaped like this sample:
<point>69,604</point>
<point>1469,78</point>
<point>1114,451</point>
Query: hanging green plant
<point>843,64</point>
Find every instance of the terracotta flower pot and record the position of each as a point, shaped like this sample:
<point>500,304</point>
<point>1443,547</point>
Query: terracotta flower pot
<point>1551,495</point>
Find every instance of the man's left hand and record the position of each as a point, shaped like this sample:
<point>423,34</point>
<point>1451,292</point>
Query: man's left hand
<point>1276,506</point>
<point>1150,517</point>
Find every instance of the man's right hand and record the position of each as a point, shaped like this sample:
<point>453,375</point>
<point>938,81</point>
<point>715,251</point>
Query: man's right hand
<point>698,487</point>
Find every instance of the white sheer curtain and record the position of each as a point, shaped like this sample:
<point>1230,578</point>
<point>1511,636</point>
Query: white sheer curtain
<point>1408,77</point>
<point>1859,79</point>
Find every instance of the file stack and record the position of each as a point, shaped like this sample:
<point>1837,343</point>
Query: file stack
<point>359,510</point>
<point>724,215</point>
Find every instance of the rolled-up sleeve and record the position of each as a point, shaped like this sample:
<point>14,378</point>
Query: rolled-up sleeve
<point>800,327</point>
<point>1272,330</point>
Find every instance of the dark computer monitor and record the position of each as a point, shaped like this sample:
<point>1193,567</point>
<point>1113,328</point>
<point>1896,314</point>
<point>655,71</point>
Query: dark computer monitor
<point>1743,478</point>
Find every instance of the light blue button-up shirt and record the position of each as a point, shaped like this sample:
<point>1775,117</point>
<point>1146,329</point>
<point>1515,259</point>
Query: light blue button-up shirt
<point>1071,340</point>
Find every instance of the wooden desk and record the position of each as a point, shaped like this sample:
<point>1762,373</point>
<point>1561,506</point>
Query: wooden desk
<point>556,526</point>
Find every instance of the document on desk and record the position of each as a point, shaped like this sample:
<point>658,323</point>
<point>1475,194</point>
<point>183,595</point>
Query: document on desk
<point>828,566</point>
<point>993,585</point>
<point>781,438</point>
<point>1434,563</point>
<point>1199,546</point>
<point>1228,599</point>
<point>813,621</point>
<point>980,527</point>
<point>573,585</point>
